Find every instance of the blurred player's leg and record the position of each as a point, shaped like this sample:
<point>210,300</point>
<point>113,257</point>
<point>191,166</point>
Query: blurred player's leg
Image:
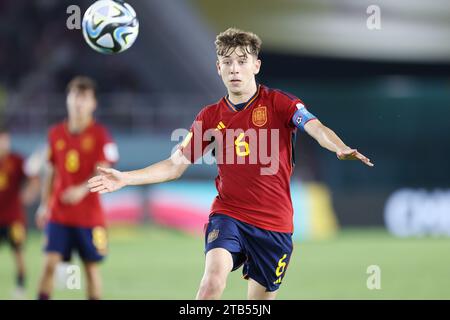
<point>19,292</point>
<point>16,238</point>
<point>92,245</point>
<point>46,283</point>
<point>94,281</point>
<point>218,264</point>
<point>258,292</point>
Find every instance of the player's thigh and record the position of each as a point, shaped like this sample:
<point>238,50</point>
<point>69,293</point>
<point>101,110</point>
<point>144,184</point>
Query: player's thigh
<point>90,266</point>
<point>218,263</point>
<point>257,291</point>
<point>51,260</point>
<point>92,270</point>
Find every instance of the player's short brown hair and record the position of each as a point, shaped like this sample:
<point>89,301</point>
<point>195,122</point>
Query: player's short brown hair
<point>82,83</point>
<point>232,38</point>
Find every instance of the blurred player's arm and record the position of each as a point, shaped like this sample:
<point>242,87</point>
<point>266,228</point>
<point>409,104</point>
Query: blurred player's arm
<point>42,213</point>
<point>110,180</point>
<point>31,190</point>
<point>328,139</point>
<point>32,169</point>
<point>74,194</point>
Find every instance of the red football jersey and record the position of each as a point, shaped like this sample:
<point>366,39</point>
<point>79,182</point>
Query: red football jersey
<point>253,148</point>
<point>75,158</point>
<point>11,179</point>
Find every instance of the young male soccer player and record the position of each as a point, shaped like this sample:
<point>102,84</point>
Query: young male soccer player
<point>75,218</point>
<point>251,217</point>
<point>13,195</point>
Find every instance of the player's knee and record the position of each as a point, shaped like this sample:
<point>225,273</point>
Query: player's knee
<point>212,286</point>
<point>262,296</point>
<point>49,268</point>
<point>92,272</point>
<point>50,265</point>
<point>258,292</point>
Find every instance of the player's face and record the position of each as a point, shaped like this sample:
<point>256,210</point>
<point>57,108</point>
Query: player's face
<point>81,104</point>
<point>5,144</point>
<point>238,70</point>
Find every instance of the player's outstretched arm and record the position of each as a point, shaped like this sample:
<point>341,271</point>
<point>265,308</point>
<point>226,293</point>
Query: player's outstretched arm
<point>329,140</point>
<point>110,180</point>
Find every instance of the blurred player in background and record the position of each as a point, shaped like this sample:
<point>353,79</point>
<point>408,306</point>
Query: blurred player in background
<point>15,191</point>
<point>251,218</point>
<point>73,217</point>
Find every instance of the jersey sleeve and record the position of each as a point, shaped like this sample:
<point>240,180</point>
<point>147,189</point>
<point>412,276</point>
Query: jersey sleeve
<point>292,110</point>
<point>302,116</point>
<point>193,146</point>
<point>108,150</point>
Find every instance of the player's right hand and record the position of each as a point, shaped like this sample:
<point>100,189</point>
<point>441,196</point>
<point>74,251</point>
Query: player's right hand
<point>42,216</point>
<point>353,154</point>
<point>108,180</point>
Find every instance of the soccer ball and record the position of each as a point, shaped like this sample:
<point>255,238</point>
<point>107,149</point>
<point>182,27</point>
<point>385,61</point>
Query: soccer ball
<point>110,26</point>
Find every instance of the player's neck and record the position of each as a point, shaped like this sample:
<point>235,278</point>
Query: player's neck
<point>244,96</point>
<point>76,126</point>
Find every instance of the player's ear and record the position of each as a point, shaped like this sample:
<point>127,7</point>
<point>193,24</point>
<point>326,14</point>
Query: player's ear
<point>219,71</point>
<point>257,66</point>
<point>95,103</point>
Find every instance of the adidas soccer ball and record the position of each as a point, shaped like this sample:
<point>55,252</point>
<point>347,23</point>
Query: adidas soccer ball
<point>110,26</point>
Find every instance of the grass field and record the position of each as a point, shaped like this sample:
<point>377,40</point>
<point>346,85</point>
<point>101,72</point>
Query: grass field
<point>157,263</point>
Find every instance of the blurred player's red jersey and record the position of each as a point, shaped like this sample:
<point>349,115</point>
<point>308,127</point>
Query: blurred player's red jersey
<point>11,179</point>
<point>243,192</point>
<point>75,157</point>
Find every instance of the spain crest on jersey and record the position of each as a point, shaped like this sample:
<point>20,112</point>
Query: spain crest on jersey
<point>60,145</point>
<point>259,116</point>
<point>87,144</point>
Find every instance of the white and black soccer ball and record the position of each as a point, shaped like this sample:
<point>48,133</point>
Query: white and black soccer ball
<point>110,26</point>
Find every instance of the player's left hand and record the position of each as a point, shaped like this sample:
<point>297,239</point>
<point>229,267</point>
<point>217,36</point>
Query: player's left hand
<point>353,154</point>
<point>74,195</point>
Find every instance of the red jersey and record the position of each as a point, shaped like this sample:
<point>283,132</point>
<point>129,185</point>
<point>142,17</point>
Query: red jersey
<point>75,158</point>
<point>253,148</point>
<point>11,179</point>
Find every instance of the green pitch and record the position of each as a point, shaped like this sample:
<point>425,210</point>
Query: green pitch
<point>156,263</point>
